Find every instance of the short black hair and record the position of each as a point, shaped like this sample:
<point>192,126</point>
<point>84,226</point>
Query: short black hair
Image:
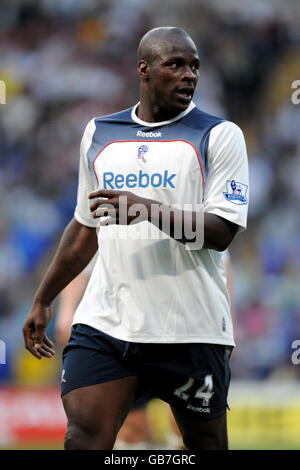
<point>151,42</point>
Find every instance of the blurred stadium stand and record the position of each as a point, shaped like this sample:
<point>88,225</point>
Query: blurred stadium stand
<point>64,62</point>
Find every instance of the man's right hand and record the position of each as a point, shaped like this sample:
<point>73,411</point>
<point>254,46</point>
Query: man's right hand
<point>77,247</point>
<point>34,331</point>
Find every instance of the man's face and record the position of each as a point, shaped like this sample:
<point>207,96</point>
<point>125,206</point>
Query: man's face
<point>173,74</point>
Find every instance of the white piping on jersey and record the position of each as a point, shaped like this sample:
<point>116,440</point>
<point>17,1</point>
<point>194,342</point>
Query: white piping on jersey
<point>162,123</point>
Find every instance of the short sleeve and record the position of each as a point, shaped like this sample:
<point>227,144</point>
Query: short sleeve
<point>85,183</point>
<point>226,191</point>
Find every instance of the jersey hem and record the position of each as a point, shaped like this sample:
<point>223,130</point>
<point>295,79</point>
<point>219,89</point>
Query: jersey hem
<point>161,339</point>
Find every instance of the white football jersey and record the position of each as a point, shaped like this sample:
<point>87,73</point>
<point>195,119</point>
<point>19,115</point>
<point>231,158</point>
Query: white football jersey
<point>150,288</point>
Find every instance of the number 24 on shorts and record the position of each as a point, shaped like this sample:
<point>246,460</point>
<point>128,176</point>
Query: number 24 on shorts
<point>205,391</point>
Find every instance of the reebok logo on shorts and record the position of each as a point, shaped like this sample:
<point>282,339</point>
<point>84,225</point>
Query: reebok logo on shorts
<point>198,409</point>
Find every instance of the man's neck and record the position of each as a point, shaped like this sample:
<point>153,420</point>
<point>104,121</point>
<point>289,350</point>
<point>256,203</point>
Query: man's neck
<point>154,113</point>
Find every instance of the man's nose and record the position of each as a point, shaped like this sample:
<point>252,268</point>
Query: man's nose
<point>189,74</point>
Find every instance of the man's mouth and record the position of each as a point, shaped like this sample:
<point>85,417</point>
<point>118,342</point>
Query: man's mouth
<point>186,93</point>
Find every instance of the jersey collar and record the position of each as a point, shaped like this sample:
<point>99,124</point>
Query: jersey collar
<point>162,123</point>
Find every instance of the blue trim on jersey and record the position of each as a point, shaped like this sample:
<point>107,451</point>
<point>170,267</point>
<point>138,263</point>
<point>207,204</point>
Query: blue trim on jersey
<point>194,128</point>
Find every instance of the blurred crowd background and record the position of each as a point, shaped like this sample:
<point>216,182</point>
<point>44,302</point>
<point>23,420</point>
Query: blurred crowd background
<point>66,61</point>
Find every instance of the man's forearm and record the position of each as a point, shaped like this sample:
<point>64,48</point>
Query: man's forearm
<point>183,226</point>
<point>203,230</point>
<point>213,231</point>
<point>77,247</point>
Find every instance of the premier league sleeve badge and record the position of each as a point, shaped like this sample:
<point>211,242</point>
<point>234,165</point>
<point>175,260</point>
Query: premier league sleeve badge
<point>236,192</point>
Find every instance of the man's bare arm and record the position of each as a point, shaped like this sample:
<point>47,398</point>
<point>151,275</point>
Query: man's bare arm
<point>214,232</point>
<point>68,301</point>
<point>218,233</point>
<point>77,247</point>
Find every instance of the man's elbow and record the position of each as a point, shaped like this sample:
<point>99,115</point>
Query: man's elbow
<point>223,244</point>
<point>222,236</point>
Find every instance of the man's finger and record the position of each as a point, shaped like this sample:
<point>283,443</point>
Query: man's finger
<point>108,193</point>
<point>107,221</point>
<point>104,204</point>
<point>48,342</point>
<point>44,351</point>
<point>39,335</point>
<point>106,211</point>
<point>34,352</point>
<point>27,336</point>
<point>100,202</point>
<point>47,349</point>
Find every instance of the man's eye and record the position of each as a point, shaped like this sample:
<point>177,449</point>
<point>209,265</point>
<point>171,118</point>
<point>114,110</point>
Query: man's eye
<point>173,65</point>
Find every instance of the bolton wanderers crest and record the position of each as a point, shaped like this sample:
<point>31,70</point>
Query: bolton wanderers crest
<point>141,152</point>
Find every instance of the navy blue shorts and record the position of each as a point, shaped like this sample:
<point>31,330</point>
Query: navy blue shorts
<point>194,377</point>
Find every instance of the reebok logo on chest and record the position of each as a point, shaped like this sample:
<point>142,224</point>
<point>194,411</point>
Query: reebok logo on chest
<point>138,180</point>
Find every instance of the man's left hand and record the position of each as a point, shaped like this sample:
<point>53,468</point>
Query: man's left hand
<point>119,207</point>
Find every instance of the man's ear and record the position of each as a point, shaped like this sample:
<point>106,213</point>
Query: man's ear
<point>143,69</point>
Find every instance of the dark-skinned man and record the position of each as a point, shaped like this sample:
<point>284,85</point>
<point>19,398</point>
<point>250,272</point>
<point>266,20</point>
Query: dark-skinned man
<point>163,189</point>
